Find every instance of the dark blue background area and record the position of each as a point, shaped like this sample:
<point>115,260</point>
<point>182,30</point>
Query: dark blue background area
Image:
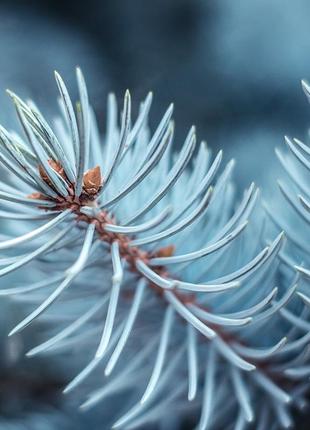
<point>232,67</point>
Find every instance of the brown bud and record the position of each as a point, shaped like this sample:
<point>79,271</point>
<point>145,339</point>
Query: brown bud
<point>166,251</point>
<point>36,196</point>
<point>55,165</point>
<point>44,175</point>
<point>92,181</point>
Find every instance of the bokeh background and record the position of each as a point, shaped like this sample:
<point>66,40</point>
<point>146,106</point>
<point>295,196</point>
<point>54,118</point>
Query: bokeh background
<point>232,67</point>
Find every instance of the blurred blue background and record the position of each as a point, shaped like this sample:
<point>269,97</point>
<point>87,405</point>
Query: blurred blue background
<point>233,69</point>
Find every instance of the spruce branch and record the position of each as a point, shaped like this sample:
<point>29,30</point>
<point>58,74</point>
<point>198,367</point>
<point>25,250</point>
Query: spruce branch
<point>162,274</point>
